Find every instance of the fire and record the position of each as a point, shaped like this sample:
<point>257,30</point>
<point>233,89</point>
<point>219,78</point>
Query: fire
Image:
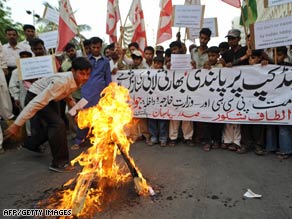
<point>107,122</point>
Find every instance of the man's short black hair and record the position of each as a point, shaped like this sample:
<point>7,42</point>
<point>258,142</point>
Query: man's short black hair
<point>81,63</point>
<point>175,44</point>
<point>257,52</point>
<point>149,48</point>
<point>86,42</point>
<point>23,53</point>
<point>111,46</point>
<point>282,49</point>
<point>95,40</point>
<point>36,41</point>
<point>167,52</point>
<point>213,49</point>
<point>136,45</point>
<point>206,31</point>
<point>69,46</point>
<point>158,59</point>
<point>11,29</point>
<point>224,45</point>
<point>28,26</point>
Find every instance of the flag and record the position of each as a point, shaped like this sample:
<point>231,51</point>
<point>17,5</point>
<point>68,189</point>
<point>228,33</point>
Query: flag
<point>112,18</point>
<point>67,25</point>
<point>234,3</point>
<point>164,28</point>
<point>248,12</point>
<point>136,17</point>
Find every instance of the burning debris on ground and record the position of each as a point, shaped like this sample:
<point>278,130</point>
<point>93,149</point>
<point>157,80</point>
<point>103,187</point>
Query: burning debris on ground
<point>102,178</point>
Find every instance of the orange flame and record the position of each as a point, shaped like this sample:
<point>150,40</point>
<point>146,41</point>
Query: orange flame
<point>106,122</point>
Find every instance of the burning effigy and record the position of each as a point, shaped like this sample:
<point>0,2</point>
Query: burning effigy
<point>107,122</point>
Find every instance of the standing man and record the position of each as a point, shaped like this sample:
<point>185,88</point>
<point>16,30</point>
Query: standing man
<point>199,57</point>
<point>100,77</point>
<point>11,50</point>
<point>29,32</point>
<point>42,102</point>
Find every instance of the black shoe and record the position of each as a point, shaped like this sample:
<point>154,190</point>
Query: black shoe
<point>259,151</point>
<point>172,143</point>
<point>189,142</point>
<point>40,149</point>
<point>62,169</point>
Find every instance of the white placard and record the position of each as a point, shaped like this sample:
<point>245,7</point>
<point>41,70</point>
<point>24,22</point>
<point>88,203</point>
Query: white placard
<point>49,38</point>
<point>36,67</point>
<point>181,62</point>
<point>210,23</point>
<point>273,33</point>
<point>188,16</point>
<point>272,3</point>
<point>51,15</point>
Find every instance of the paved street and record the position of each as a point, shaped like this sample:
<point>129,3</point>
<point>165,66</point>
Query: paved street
<point>191,184</point>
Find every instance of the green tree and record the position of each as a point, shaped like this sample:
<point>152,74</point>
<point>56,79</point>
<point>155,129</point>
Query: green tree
<point>6,21</point>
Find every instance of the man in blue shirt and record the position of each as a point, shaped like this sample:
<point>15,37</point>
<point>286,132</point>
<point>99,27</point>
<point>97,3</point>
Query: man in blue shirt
<point>100,77</point>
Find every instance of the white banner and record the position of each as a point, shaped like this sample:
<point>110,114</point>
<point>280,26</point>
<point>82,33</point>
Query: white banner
<point>245,94</point>
<point>273,33</point>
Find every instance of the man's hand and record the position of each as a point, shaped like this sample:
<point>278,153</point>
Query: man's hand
<point>11,131</point>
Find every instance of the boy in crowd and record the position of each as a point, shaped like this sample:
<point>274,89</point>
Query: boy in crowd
<point>158,127</point>
<point>213,131</point>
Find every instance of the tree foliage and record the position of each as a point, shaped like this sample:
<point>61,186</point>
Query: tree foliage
<point>6,21</point>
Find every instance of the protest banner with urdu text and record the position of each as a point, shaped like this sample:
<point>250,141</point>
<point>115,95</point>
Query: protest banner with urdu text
<point>244,94</point>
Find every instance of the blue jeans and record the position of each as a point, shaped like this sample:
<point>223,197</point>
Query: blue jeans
<point>158,130</point>
<point>281,134</point>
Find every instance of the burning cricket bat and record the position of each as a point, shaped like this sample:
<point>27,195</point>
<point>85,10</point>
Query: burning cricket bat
<point>140,183</point>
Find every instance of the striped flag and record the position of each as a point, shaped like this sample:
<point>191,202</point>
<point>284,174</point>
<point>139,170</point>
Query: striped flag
<point>67,28</point>
<point>112,18</point>
<point>136,17</point>
<point>164,29</point>
<point>234,3</point>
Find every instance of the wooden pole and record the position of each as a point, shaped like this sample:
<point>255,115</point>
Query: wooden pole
<point>81,44</point>
<point>244,25</point>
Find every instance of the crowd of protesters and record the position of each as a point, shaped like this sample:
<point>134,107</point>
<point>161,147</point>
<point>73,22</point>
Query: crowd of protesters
<point>40,104</point>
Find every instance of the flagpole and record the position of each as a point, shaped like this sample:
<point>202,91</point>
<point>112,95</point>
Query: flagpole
<point>244,25</point>
<point>122,30</point>
<point>81,43</point>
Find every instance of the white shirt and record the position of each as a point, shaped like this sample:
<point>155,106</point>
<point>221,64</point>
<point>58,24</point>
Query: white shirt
<point>55,87</point>
<point>12,54</point>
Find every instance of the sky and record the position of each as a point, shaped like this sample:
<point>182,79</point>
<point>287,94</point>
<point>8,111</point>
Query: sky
<point>93,13</point>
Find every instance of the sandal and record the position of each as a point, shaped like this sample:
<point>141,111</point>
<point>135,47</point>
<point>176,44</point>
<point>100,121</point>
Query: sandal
<point>207,147</point>
<point>259,151</point>
<point>283,156</point>
<point>242,150</point>
<point>224,146</point>
<point>233,147</point>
